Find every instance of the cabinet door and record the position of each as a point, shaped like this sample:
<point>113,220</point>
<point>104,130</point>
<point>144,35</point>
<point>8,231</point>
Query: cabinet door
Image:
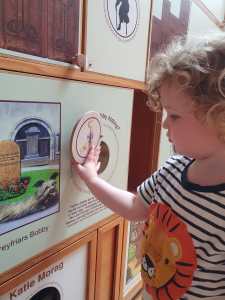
<point>63,29</point>
<point>121,28</point>
<point>23,26</point>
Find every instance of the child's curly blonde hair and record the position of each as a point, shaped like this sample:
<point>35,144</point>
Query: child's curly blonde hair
<point>197,64</point>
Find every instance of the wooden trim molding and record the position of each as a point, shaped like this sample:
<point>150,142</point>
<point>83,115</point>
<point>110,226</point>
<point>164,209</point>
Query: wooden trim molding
<point>109,251</point>
<point>145,139</point>
<point>30,66</point>
<point>210,15</point>
<point>90,240</point>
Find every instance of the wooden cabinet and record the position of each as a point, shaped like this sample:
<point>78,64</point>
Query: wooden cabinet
<point>23,26</point>
<point>46,28</point>
<point>63,29</point>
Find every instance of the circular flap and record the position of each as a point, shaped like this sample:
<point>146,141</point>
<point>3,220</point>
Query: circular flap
<point>87,131</point>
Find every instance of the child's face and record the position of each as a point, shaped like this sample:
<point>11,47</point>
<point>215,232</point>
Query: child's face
<point>190,136</point>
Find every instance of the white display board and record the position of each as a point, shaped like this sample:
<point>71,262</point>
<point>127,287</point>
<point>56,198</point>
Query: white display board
<point>117,37</point>
<point>56,281</point>
<point>40,115</point>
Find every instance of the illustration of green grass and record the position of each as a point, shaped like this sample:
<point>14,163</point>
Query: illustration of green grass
<point>34,176</point>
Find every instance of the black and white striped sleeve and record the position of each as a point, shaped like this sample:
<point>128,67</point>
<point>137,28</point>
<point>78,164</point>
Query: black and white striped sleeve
<point>146,190</point>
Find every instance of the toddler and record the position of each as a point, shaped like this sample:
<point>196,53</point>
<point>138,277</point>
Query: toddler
<point>183,203</point>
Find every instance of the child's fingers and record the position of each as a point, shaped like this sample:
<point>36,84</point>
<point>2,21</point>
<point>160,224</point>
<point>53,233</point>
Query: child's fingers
<point>93,154</point>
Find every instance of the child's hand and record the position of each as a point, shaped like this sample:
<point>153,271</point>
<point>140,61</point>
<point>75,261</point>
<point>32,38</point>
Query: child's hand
<point>89,170</point>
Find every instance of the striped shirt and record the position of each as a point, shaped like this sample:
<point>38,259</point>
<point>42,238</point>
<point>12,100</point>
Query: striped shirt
<point>202,209</point>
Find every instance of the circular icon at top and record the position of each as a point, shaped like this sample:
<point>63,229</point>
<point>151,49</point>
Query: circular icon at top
<point>123,17</point>
<point>87,131</point>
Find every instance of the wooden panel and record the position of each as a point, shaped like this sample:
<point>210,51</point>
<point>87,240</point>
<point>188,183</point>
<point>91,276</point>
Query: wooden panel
<point>109,260</point>
<point>23,26</point>
<point>145,137</point>
<point>63,29</point>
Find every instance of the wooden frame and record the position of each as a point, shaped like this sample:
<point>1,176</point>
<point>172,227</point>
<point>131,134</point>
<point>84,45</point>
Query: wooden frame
<point>146,128</point>
<point>90,239</point>
<point>109,250</point>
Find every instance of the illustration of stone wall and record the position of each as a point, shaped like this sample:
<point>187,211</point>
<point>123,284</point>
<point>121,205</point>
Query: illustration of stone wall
<point>9,163</point>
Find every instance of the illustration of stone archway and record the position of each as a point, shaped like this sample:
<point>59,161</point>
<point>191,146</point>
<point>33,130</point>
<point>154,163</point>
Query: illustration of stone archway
<point>37,141</point>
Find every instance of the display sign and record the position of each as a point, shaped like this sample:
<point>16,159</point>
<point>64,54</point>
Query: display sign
<point>87,132</point>
<point>122,30</point>
<point>55,282</point>
<point>42,201</point>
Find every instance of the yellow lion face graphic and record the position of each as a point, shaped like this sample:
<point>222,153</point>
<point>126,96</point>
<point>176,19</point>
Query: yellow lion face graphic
<point>160,255</point>
<point>167,266</point>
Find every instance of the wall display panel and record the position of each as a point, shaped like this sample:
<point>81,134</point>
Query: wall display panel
<point>120,28</point>
<point>41,116</point>
<point>55,280</point>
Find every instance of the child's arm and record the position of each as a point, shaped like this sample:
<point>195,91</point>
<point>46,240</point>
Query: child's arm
<point>120,201</point>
